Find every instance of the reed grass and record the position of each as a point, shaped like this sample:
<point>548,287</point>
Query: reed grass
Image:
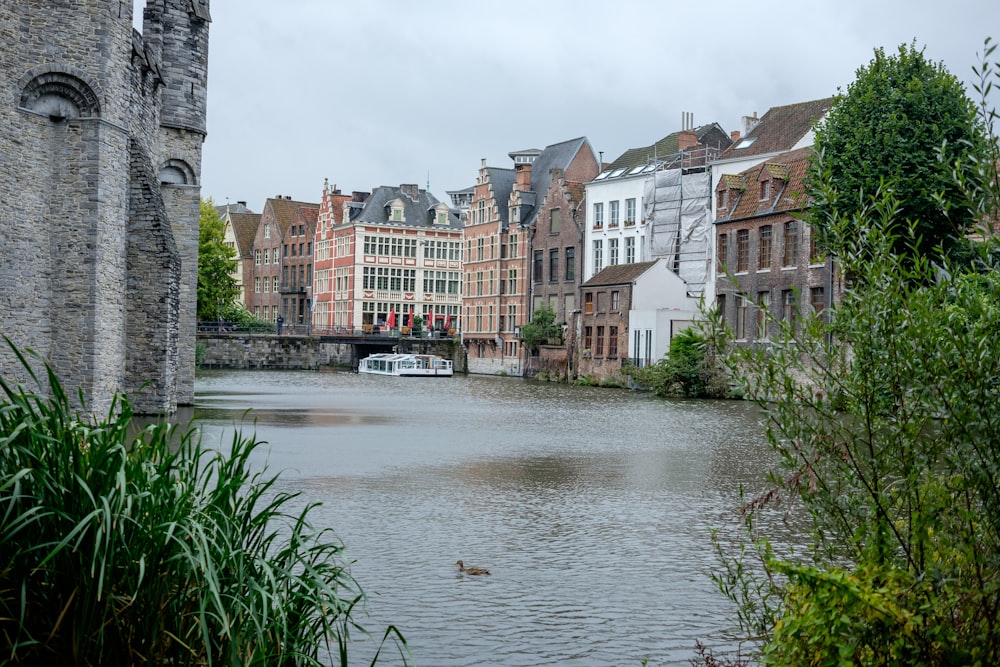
<point>139,546</point>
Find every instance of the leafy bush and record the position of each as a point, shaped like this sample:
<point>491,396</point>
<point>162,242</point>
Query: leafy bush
<point>541,328</point>
<point>123,545</point>
<point>886,418</point>
<point>689,369</point>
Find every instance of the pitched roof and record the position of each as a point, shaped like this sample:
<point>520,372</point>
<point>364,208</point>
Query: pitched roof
<point>245,229</point>
<point>416,210</point>
<point>779,129</point>
<point>661,151</point>
<point>284,211</point>
<point>619,274</point>
<point>792,195</point>
<point>501,182</point>
<point>555,156</point>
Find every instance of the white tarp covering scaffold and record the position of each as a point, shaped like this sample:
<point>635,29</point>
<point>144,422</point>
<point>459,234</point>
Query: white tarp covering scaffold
<point>679,208</point>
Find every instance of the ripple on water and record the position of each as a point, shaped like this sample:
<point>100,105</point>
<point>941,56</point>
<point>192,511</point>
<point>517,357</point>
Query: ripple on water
<point>592,508</point>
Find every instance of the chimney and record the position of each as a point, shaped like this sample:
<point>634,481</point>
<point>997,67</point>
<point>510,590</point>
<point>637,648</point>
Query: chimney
<point>734,135</point>
<point>522,176</point>
<point>242,203</point>
<point>358,196</point>
<point>411,190</point>
<point>749,123</point>
<point>686,139</point>
<point>288,197</point>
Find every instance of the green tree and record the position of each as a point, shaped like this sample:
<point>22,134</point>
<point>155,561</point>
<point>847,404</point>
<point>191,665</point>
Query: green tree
<point>905,124</point>
<point>217,288</point>
<point>541,328</point>
<point>885,418</point>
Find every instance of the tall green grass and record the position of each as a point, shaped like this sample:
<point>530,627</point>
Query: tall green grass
<point>122,545</point>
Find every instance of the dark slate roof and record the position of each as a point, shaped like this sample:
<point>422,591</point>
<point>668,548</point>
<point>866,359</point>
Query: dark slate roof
<point>619,274</point>
<point>245,229</point>
<point>661,151</point>
<point>502,182</point>
<point>556,156</point>
<point>416,212</point>
<point>238,207</point>
<point>792,166</point>
<point>779,129</point>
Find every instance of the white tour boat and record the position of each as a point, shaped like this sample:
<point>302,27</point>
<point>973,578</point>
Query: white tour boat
<point>419,365</point>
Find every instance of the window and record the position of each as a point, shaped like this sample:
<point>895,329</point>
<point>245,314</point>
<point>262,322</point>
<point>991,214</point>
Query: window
<point>740,330</point>
<point>482,211</point>
<point>588,303</point>
<point>479,283</point>
<point>554,265</point>
<point>537,266</point>
<point>613,342</point>
<point>612,252</point>
<point>512,281</point>
<point>791,243</point>
<point>765,190</point>
<point>480,249</point>
<point>554,221</point>
<point>722,198</point>
<point>256,285</point>
<point>764,251</point>
<point>599,215</point>
<point>588,338</point>
<point>600,301</point>
<point>722,250</point>
<point>630,211</point>
<point>742,250</point>
<point>763,306</point>
<point>815,253</point>
<point>267,230</point>
<point>267,285</point>
<point>598,256</point>
<point>630,250</point>
<point>599,343</point>
<point>615,301</point>
<point>570,264</point>
<point>613,221</point>
<point>788,307</point>
<point>256,257</point>
<point>817,299</point>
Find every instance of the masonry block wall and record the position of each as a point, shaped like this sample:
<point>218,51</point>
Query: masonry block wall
<point>91,270</point>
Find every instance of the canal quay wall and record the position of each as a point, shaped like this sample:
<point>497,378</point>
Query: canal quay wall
<point>291,352</point>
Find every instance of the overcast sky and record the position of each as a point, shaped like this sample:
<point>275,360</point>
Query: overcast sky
<point>384,92</point>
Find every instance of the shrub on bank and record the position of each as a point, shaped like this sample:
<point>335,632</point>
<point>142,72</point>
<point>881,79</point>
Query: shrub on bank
<point>124,545</point>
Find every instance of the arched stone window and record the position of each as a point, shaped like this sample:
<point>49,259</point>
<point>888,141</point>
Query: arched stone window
<point>177,172</point>
<point>60,96</point>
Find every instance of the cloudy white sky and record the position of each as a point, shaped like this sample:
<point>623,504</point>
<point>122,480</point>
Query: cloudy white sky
<point>383,92</point>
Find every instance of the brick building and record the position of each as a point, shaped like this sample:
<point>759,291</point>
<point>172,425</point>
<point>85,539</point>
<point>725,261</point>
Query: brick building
<point>506,210</point>
<point>769,269</point>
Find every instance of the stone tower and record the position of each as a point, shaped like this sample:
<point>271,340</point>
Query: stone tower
<point>100,160</point>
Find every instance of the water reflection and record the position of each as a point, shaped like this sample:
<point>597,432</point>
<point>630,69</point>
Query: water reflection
<point>591,507</point>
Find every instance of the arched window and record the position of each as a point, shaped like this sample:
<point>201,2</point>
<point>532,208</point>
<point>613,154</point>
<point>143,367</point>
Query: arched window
<point>60,96</point>
<point>177,172</point>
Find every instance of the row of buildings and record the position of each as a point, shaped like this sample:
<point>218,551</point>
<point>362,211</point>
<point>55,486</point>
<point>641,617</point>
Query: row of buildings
<point>624,252</point>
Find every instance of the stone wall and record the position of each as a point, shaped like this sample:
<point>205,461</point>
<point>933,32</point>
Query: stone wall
<point>98,268</point>
<point>245,351</point>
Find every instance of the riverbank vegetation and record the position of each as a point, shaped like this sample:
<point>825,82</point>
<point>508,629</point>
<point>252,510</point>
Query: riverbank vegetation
<point>131,545</point>
<point>885,409</point>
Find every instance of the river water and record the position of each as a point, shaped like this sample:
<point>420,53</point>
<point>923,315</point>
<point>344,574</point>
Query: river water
<point>591,507</point>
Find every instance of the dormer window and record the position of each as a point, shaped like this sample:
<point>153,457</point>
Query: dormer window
<point>396,211</point>
<point>722,199</point>
<point>765,189</point>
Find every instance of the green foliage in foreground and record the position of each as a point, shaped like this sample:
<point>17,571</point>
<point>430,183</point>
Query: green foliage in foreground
<point>128,546</point>
<point>885,417</point>
<point>689,370</point>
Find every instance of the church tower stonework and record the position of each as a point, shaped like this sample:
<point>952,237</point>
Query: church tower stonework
<point>101,130</point>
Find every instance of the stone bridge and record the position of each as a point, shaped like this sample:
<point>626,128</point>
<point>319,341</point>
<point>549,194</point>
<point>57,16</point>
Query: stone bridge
<point>300,352</point>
